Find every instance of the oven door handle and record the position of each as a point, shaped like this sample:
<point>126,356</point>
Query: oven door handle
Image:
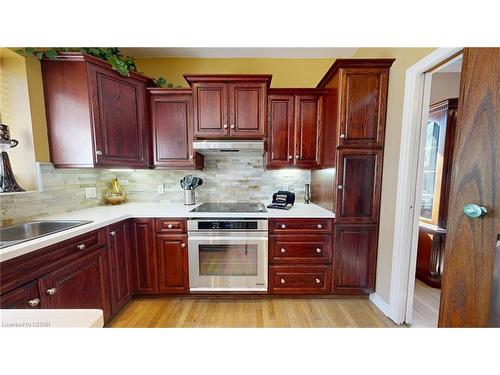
<point>228,239</point>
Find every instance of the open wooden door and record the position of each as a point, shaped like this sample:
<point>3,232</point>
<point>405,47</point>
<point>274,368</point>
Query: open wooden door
<point>467,293</point>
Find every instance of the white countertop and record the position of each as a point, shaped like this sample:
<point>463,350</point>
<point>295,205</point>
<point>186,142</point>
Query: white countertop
<point>102,216</point>
<point>51,318</point>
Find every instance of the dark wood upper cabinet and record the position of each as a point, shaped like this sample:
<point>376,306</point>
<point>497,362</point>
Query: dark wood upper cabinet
<point>229,106</point>
<point>294,128</point>
<point>144,256</point>
<point>247,110</point>
<point>354,259</point>
<point>307,130</point>
<point>172,262</point>
<point>172,122</point>
<point>119,264</point>
<point>107,113</point>
<point>281,131</point>
<point>359,179</point>
<point>80,284</point>
<point>355,106</point>
<point>23,297</point>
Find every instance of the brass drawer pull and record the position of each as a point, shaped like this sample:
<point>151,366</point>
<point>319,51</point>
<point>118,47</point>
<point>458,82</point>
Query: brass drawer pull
<point>51,291</point>
<point>82,246</point>
<point>34,302</point>
<point>283,226</point>
<point>318,281</point>
<point>320,226</point>
<point>282,281</point>
<point>283,251</point>
<point>318,250</point>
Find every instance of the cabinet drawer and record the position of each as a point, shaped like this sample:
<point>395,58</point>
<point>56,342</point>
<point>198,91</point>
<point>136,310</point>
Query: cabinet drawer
<point>170,226</point>
<point>300,249</point>
<point>300,280</point>
<point>301,225</point>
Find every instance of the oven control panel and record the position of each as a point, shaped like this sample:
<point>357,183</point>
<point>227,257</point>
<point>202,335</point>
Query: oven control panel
<point>236,225</point>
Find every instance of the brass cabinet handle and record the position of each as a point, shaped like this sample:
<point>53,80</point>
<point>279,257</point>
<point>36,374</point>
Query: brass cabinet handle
<point>283,226</point>
<point>98,152</point>
<point>183,245</point>
<point>290,157</point>
<point>282,281</point>
<point>51,291</point>
<point>318,281</point>
<point>82,246</point>
<point>225,126</point>
<point>342,136</point>
<point>170,226</point>
<point>232,126</point>
<point>318,250</point>
<point>34,302</point>
<point>283,251</point>
<point>296,156</point>
<point>340,187</point>
<point>320,226</point>
<point>112,233</point>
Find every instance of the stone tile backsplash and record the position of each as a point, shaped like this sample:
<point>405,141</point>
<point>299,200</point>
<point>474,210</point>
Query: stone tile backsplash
<point>225,179</point>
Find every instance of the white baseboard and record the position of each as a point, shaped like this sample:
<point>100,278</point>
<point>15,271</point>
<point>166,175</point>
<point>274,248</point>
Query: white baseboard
<point>380,303</point>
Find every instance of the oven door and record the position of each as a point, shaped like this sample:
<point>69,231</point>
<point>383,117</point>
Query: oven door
<point>227,262</point>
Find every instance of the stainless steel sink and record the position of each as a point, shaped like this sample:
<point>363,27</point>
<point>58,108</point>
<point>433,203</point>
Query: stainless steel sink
<point>14,234</point>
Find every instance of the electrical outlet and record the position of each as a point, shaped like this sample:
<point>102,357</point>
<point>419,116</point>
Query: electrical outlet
<point>161,189</point>
<point>90,192</point>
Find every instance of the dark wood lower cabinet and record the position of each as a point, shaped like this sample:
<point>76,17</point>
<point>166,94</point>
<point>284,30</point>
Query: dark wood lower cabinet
<point>172,261</point>
<point>430,255</point>
<point>80,284</point>
<point>119,264</point>
<point>24,297</point>
<point>314,279</point>
<point>354,259</point>
<point>144,256</point>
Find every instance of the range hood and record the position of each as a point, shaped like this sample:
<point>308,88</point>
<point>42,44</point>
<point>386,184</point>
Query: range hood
<point>229,147</point>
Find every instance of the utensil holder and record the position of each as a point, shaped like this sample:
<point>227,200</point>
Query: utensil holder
<point>189,197</point>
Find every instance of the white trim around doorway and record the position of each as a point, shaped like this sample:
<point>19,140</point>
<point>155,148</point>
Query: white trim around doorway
<point>406,228</point>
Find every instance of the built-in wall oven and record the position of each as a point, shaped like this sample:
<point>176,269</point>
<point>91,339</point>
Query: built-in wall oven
<point>227,254</point>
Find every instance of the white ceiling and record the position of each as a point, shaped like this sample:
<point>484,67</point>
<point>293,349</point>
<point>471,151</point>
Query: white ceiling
<point>241,52</point>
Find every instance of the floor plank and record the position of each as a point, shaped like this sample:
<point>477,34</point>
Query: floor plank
<point>175,312</point>
<point>425,306</point>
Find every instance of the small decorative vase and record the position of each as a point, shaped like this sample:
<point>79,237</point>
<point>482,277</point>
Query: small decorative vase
<point>114,194</point>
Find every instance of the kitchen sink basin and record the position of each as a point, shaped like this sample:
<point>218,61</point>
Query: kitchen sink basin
<point>14,234</point>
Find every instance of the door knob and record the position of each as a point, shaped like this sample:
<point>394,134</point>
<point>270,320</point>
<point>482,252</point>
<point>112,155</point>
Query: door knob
<point>474,210</point>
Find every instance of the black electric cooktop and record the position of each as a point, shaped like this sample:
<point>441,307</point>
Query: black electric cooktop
<point>230,207</point>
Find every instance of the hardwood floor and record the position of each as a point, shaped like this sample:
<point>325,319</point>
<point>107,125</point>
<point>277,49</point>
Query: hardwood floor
<point>276,312</point>
<point>425,306</point>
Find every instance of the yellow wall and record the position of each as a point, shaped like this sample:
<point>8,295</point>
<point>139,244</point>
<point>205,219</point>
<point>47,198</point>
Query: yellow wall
<point>405,57</point>
<point>286,72</point>
<point>16,113</point>
<point>38,118</point>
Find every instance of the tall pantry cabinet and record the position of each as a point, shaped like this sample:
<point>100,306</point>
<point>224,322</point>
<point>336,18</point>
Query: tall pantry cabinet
<point>349,183</point>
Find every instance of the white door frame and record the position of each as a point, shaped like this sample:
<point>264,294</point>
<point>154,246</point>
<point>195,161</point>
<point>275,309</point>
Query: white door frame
<point>404,260</point>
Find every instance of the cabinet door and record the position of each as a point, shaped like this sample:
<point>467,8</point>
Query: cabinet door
<point>80,284</point>
<point>307,130</point>
<point>119,119</point>
<point>354,260</point>
<point>24,297</point>
<point>280,131</point>
<point>247,110</point>
<point>363,107</point>
<point>172,118</point>
<point>359,178</point>
<point>210,102</point>
<point>172,264</point>
<point>119,264</point>
<point>144,256</point>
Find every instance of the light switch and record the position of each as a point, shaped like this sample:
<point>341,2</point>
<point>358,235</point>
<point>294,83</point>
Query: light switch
<point>90,192</point>
<point>161,189</point>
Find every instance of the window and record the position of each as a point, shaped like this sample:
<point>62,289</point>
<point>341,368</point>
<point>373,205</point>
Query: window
<point>432,172</point>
